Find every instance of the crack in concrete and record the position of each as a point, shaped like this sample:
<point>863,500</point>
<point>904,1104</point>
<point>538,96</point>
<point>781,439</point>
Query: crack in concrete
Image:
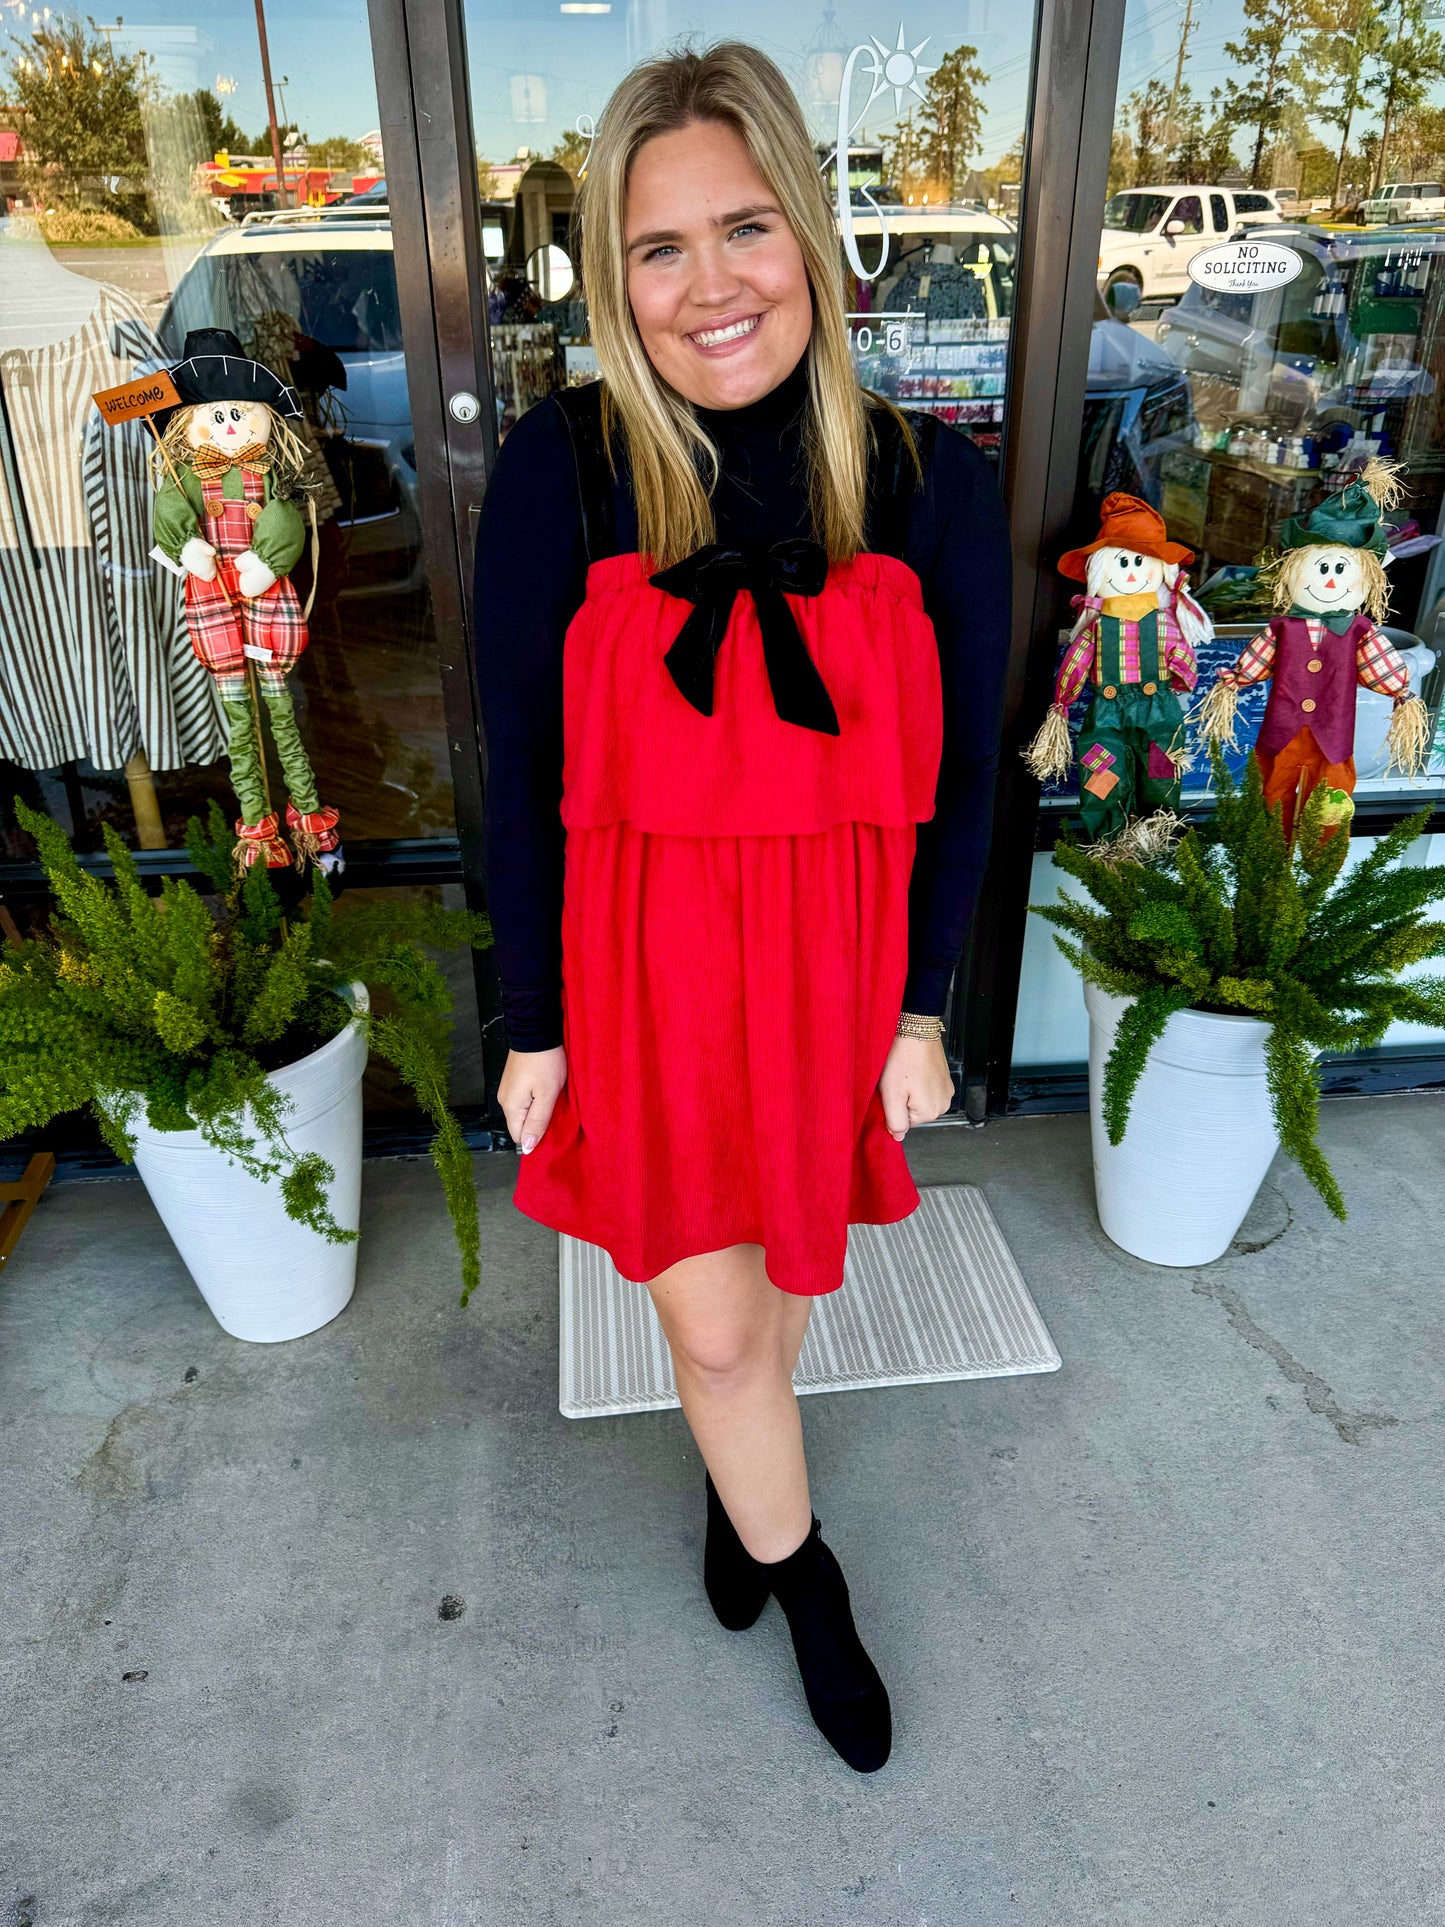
<point>1352,1427</point>
<point>1247,1247</point>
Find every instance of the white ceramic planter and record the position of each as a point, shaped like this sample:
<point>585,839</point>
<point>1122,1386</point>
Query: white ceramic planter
<point>264,1276</point>
<point>1200,1138</point>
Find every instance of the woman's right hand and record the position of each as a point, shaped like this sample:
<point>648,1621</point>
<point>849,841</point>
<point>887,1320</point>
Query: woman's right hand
<point>531,1081</point>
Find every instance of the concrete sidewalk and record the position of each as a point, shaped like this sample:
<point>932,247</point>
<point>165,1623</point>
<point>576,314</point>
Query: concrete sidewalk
<point>1162,1630</point>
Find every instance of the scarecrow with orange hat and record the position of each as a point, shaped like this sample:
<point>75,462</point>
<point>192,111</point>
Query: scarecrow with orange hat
<point>1330,593</point>
<point>1135,640</point>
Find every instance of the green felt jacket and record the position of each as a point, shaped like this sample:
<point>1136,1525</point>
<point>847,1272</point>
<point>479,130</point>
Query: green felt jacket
<point>278,534</point>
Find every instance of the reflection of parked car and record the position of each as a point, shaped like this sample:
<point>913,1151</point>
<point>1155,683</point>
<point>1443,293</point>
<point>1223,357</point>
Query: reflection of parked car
<point>332,274</point>
<point>952,270</point>
<point>1406,201</point>
<point>1333,345</point>
<point>1137,409</point>
<point>1151,234</point>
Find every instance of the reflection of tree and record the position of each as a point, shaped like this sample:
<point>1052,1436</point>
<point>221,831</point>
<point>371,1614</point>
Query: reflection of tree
<point>1264,55</point>
<point>1146,113</point>
<point>930,149</point>
<point>1411,57</point>
<point>215,131</point>
<point>338,153</point>
<point>571,151</point>
<point>1420,142</point>
<point>1202,148</point>
<point>1345,33</point>
<point>81,110</point>
<point>1198,149</point>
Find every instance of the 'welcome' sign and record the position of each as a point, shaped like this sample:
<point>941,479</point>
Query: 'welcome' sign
<point>134,398</point>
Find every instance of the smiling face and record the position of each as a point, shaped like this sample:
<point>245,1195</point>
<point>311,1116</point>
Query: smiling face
<point>228,424</point>
<point>1128,572</point>
<point>715,276</point>
<point>1330,580</point>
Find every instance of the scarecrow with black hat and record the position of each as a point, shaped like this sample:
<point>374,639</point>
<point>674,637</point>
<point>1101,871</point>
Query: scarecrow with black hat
<point>1134,639</point>
<point>227,511</point>
<point>1330,586</point>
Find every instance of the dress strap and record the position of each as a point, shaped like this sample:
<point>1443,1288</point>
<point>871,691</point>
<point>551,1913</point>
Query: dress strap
<point>581,410</point>
<point>892,478</point>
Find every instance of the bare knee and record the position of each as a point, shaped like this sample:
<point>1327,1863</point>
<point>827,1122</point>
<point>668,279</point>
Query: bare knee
<point>724,1354</point>
<point>721,1326</point>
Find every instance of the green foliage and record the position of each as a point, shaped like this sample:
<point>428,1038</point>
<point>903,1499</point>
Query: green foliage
<point>1238,920</point>
<point>167,1008</point>
<point>80,108</point>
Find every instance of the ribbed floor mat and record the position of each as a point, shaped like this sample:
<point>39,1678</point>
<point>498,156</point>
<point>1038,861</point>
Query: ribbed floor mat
<point>936,1296</point>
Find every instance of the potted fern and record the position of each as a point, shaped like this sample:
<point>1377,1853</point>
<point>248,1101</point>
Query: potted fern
<point>221,1044</point>
<point>1218,962</point>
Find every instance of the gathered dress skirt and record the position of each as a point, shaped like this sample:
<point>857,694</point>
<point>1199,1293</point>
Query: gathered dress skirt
<point>730,991</point>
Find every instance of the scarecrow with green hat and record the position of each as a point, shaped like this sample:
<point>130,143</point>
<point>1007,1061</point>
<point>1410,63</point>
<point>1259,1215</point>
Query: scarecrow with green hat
<point>1330,587</point>
<point>228,512</point>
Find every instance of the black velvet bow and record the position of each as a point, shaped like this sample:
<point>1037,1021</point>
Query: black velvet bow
<point>710,579</point>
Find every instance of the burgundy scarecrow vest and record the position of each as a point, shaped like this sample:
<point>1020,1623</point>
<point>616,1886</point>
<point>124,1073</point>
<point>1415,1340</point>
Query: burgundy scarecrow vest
<point>1321,699</point>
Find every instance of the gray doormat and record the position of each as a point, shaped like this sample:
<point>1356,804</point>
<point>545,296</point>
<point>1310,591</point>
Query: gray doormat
<point>936,1296</point>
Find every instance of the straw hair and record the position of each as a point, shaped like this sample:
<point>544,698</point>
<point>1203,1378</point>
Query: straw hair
<point>1290,570</point>
<point>287,451</point>
<point>673,463</point>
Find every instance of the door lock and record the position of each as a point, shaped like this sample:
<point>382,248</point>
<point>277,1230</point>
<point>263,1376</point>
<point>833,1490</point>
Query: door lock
<point>464,406</point>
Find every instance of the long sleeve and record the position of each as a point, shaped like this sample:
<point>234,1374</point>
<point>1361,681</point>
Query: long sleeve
<point>1179,663</point>
<point>1257,661</point>
<point>279,535</point>
<point>176,520</point>
<point>1381,667</point>
<point>1075,669</point>
<point>531,571</point>
<point>959,547</point>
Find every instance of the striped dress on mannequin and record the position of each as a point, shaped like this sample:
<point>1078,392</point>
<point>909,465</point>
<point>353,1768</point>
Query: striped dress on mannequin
<point>94,658</point>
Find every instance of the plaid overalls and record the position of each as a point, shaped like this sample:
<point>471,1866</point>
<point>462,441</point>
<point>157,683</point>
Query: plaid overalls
<point>1124,765</point>
<point>222,629</point>
<point>226,629</point>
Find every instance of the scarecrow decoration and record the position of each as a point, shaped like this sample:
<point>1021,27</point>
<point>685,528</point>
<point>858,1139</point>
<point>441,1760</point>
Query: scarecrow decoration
<point>227,511</point>
<point>1135,639</point>
<point>1330,585</point>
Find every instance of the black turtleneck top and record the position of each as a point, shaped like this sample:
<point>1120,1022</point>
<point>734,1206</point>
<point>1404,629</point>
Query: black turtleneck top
<point>531,569</point>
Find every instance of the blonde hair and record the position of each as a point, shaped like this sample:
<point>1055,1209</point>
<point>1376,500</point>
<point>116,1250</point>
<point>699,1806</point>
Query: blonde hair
<point>1288,573</point>
<point>674,465</point>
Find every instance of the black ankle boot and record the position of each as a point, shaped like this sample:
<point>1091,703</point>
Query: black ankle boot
<point>847,1699</point>
<point>736,1584</point>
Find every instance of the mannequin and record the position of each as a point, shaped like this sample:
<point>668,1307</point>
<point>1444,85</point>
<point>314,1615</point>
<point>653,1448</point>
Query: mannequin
<point>92,651</point>
<point>41,303</point>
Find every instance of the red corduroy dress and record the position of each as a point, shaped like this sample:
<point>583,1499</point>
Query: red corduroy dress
<point>735,928</point>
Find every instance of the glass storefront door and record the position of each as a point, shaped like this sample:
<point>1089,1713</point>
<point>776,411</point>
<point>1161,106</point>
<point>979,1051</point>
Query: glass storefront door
<point>919,128</point>
<point>930,135</point>
<point>1232,410</point>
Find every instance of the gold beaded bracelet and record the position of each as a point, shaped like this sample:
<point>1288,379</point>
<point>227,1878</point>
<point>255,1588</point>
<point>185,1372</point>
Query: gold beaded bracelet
<point>910,1025</point>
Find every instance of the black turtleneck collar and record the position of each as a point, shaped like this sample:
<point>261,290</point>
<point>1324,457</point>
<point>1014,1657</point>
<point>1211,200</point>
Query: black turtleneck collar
<point>768,414</point>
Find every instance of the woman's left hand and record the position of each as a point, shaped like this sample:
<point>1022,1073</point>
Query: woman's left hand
<point>916,1085</point>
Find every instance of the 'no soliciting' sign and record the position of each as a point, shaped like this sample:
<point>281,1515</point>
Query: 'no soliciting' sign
<point>1244,267</point>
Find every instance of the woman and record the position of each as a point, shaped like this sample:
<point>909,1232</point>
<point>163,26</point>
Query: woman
<point>785,614</point>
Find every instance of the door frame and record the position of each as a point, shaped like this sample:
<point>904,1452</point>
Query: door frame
<point>1072,89</point>
<point>420,51</point>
